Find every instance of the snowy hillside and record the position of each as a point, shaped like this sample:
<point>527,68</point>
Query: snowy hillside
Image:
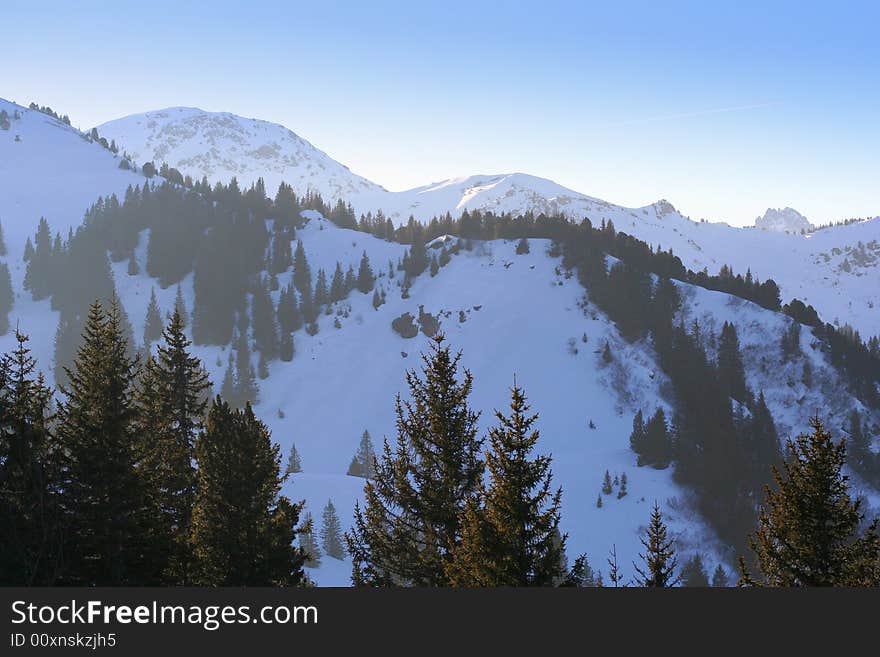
<point>833,269</point>
<point>48,169</point>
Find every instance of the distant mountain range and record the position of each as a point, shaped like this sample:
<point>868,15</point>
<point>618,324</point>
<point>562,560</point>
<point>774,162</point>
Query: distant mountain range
<point>509,312</point>
<point>834,268</point>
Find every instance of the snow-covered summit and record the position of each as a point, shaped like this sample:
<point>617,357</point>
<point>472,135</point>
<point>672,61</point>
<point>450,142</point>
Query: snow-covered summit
<point>220,145</point>
<point>785,220</point>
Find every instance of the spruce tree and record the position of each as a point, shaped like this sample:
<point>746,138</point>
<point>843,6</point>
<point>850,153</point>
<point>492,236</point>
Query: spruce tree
<point>510,529</point>
<point>365,279</point>
<point>606,484</point>
<point>286,349</point>
<point>3,250</point>
<point>37,275</point>
<point>614,575</point>
<point>719,578</point>
<point>808,528</point>
<point>302,273</point>
<point>153,321</point>
<point>180,307</point>
<point>172,400</point>
<point>363,462</point>
<point>308,542</point>
<point>294,462</point>
<point>265,330</point>
<point>581,574</point>
<point>104,493</point>
<point>659,557</point>
<point>331,532</point>
<point>337,285</point>
<point>411,521</point>
<point>32,547</point>
<point>242,527</point>
<point>322,293</point>
<point>693,573</point>
<point>731,373</point>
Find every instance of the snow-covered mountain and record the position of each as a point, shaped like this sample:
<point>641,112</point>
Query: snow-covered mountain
<point>220,145</point>
<point>510,314</point>
<point>834,269</point>
<point>785,220</point>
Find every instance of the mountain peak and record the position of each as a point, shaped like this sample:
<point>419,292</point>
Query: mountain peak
<point>220,145</point>
<point>785,220</point>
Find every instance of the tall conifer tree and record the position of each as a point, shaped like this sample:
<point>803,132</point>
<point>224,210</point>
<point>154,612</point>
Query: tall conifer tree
<point>808,529</point>
<point>243,528</point>
<point>411,523</point>
<point>104,493</point>
<point>509,530</point>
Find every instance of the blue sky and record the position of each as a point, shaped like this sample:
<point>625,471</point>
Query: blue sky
<point>723,108</point>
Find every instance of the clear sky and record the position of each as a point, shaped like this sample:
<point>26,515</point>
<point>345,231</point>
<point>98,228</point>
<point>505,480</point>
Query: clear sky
<point>724,108</point>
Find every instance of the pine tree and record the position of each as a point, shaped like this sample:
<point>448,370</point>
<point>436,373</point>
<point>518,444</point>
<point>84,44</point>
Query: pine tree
<point>229,387</point>
<point>363,462</point>
<point>607,357</point>
<point>286,349</point>
<point>522,247</point>
<point>331,532</point>
<point>808,528</point>
<point>265,330</point>
<point>308,542</point>
<point>365,278</point>
<point>693,573</point>
<point>302,273</point>
<point>581,574</point>
<point>294,462</point>
<point>153,321</point>
<point>243,528</point>
<point>322,294</point>
<point>172,400</point>
<point>599,501</point>
<point>614,575</point>
<point>731,373</point>
<point>411,521</point>
<point>37,276</point>
<point>180,307</point>
<point>606,484</point>
<point>104,494</point>
<point>719,578</point>
<point>337,285</point>
<point>30,524</point>
<point>509,530</point>
<point>659,557</point>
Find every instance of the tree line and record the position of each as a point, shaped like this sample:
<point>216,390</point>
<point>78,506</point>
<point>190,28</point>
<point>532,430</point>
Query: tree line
<point>128,478</point>
<point>134,475</point>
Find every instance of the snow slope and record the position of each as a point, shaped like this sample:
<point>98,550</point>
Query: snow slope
<point>834,269</point>
<point>51,172</point>
<point>343,381</point>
